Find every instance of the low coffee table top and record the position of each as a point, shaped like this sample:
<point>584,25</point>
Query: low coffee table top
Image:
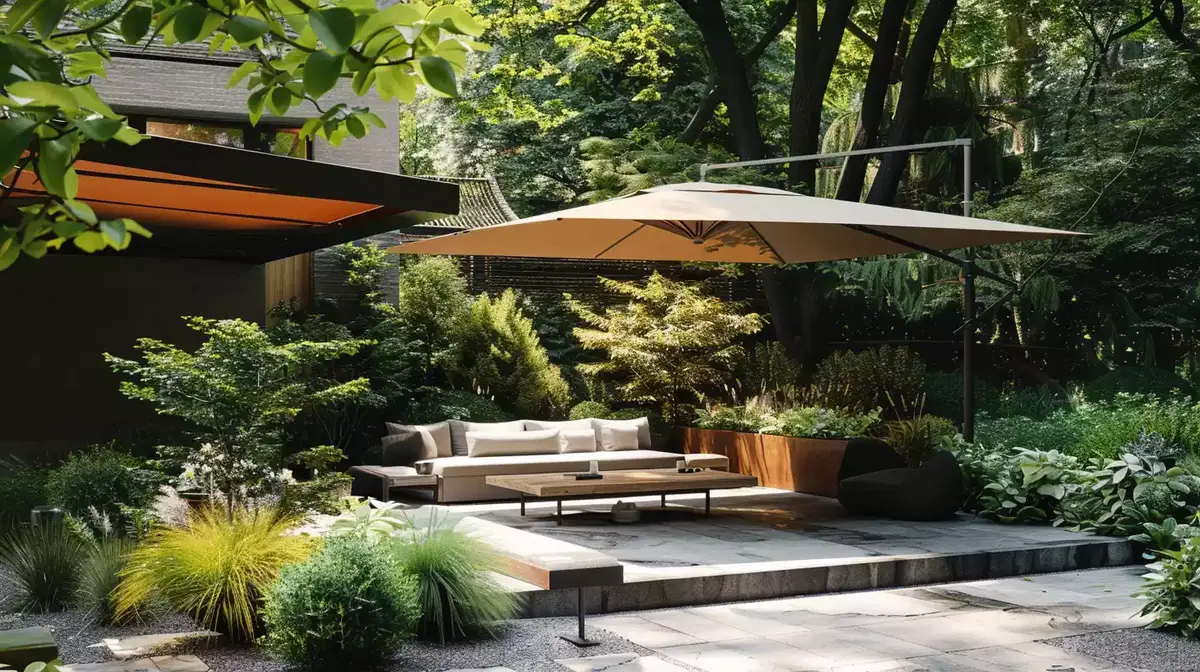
<point>622,482</point>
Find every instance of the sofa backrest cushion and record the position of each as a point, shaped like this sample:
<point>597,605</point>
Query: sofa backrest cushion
<point>576,440</point>
<point>495,444</point>
<point>405,447</point>
<point>613,437</point>
<point>459,429</point>
<point>531,425</point>
<point>436,437</point>
<point>642,425</point>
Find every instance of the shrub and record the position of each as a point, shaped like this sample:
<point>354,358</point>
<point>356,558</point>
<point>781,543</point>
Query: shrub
<point>456,405</point>
<point>1171,591</point>
<point>766,368</point>
<point>916,439</point>
<point>1027,487</point>
<point>1137,380</point>
<point>215,570</point>
<point>870,379</point>
<point>348,606</point>
<point>822,423</point>
<point>103,483</point>
<point>99,576</point>
<point>458,599</point>
<point>744,418</point>
<point>323,491</point>
<point>589,409</point>
<point>42,565</point>
<point>22,487</point>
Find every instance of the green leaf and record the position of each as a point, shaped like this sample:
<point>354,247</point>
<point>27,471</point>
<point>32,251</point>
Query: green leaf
<point>81,210</point>
<point>455,20</point>
<point>43,94</point>
<point>246,29</point>
<point>243,71</point>
<point>9,250</point>
<point>35,248</point>
<point>439,75</point>
<point>86,97</point>
<point>334,27</point>
<point>48,15</point>
<point>20,14</point>
<point>321,72</point>
<point>99,128</point>
<point>85,63</point>
<point>133,227</point>
<point>114,231</point>
<point>255,105</point>
<point>363,79</point>
<point>68,228</point>
<point>89,241</point>
<point>71,182</point>
<point>280,101</point>
<point>135,24</point>
<point>129,135</point>
<point>15,136</point>
<point>400,14</point>
<point>53,158</point>
<point>188,23</point>
<point>356,127</point>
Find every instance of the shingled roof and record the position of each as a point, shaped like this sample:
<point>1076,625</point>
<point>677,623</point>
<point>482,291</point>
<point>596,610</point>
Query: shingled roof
<point>480,204</point>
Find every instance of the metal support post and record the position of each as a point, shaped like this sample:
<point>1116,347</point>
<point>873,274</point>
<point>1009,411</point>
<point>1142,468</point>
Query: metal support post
<point>581,639</point>
<point>968,354</point>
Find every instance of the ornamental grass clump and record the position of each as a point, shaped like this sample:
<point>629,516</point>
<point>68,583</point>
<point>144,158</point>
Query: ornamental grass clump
<point>457,597</point>
<point>99,575</point>
<point>216,569</point>
<point>349,606</point>
<point>41,566</point>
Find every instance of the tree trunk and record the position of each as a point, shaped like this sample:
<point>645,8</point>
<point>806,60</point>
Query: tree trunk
<point>816,54</point>
<point>1172,26</point>
<point>879,77</point>
<point>906,124</point>
<point>732,77</point>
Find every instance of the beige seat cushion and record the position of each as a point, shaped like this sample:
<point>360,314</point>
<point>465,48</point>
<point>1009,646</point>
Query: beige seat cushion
<point>460,466</point>
<point>496,444</point>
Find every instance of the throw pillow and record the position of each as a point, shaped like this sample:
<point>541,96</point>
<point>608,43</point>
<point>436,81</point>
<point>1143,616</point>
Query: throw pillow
<point>576,441</point>
<point>557,424</point>
<point>495,444</point>
<point>618,438</point>
<point>404,448</point>
<point>438,434</point>
<point>642,425</point>
<point>459,429</point>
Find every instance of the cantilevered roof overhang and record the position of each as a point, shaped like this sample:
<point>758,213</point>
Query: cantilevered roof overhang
<point>208,201</point>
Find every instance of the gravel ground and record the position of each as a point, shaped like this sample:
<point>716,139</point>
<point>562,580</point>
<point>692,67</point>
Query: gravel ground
<point>1150,650</point>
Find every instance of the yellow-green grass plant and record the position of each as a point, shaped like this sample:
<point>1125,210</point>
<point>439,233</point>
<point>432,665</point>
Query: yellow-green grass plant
<point>216,570</point>
<point>458,598</point>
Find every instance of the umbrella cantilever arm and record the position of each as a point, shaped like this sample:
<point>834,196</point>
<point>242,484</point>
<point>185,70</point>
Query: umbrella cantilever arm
<point>961,263</point>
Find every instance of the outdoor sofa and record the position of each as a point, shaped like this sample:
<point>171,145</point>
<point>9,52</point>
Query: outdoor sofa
<point>461,455</point>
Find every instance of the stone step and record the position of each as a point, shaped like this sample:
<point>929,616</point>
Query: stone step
<point>142,646</point>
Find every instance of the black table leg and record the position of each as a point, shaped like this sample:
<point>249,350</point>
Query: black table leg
<point>664,501</point>
<point>707,502</point>
<point>560,518</point>
<point>387,489</point>
<point>580,640</point>
<point>522,504</point>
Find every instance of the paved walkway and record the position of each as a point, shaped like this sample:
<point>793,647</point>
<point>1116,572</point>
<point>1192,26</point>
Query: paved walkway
<point>984,626</point>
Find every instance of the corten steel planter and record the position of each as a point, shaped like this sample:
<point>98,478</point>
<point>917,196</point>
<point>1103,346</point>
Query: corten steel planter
<point>785,462</point>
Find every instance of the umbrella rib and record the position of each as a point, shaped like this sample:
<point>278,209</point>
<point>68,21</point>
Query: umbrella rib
<point>766,242</point>
<point>641,225</point>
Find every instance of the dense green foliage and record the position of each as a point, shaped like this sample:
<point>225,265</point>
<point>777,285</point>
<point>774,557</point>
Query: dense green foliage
<point>22,487</point>
<point>442,405</point>
<point>216,570</point>
<point>800,421</point>
<point>457,598</point>
<point>349,605</point>
<point>589,409</point>
<point>671,344</point>
<point>103,486</point>
<point>883,377</point>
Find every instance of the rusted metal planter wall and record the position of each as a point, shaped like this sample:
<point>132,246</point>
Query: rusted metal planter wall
<point>784,462</point>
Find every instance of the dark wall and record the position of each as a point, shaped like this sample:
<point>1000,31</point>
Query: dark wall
<point>59,314</point>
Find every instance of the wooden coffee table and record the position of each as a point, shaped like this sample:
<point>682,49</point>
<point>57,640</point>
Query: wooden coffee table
<point>621,483</point>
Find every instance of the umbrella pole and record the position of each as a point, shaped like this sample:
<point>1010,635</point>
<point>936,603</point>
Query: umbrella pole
<point>968,355</point>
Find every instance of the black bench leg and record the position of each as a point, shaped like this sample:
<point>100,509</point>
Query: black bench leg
<point>522,504</point>
<point>387,490</point>
<point>581,640</point>
<point>664,501</point>
<point>707,502</point>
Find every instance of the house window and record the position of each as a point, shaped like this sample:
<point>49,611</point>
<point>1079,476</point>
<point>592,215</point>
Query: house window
<point>280,140</point>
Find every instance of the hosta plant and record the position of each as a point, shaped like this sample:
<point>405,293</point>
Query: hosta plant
<point>1117,497</point>
<point>1030,489</point>
<point>1172,591</point>
<point>373,520</point>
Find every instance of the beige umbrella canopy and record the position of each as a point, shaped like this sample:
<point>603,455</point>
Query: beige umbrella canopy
<point>704,221</point>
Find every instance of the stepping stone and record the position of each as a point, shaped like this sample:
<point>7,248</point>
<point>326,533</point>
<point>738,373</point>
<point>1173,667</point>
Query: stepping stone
<point>145,645</point>
<point>21,646</point>
<point>183,663</point>
<point>484,669</point>
<point>137,665</point>
<point>619,662</point>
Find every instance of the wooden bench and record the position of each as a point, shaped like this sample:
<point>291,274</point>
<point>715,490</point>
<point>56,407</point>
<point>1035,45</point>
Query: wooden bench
<point>22,646</point>
<point>550,564</point>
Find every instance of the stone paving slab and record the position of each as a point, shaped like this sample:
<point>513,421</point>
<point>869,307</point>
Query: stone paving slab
<point>986,626</point>
<point>145,645</point>
<point>619,662</point>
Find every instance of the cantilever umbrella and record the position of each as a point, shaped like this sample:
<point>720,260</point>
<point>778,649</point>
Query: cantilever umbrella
<point>703,221</point>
